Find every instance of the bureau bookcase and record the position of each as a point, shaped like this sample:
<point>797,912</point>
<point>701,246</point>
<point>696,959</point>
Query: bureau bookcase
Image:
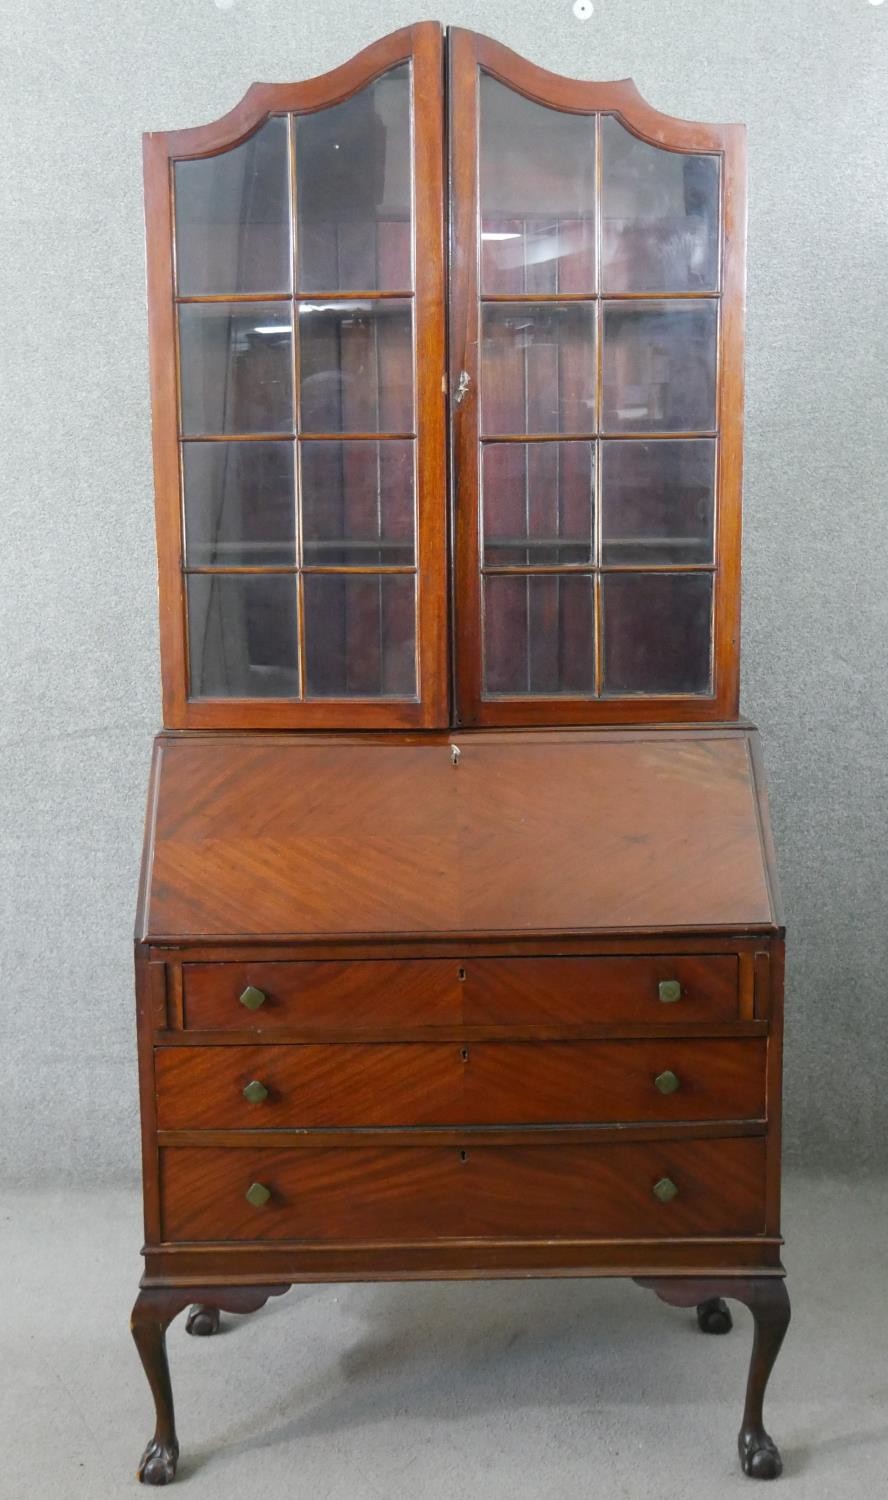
<point>458,946</point>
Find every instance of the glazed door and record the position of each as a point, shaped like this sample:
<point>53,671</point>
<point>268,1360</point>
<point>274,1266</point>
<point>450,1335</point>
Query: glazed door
<point>596,367</point>
<point>298,301</point>
<point>296,283</point>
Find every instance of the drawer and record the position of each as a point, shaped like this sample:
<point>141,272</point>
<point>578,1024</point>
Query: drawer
<point>368,994</point>
<point>323,996</point>
<point>444,1083</point>
<point>414,1193</point>
<point>570,991</point>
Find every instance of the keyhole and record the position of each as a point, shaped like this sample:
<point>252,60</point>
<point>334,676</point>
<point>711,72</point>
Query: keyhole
<point>461,975</point>
<point>464,1053</point>
<point>463,1155</point>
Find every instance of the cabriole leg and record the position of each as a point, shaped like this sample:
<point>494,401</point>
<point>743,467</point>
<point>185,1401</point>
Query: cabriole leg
<point>153,1312</point>
<point>768,1301</point>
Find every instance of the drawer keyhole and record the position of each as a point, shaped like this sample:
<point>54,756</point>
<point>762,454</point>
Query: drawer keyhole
<point>461,975</point>
<point>463,1155</point>
<point>464,1053</point>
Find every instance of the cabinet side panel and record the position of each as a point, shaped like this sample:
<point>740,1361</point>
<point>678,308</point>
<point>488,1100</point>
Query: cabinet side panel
<point>730,422</point>
<point>151,1016</point>
<point>164,427</point>
<point>775,1087</point>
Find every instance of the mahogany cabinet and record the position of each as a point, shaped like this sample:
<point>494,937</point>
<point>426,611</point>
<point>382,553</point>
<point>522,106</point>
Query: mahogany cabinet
<point>458,949</point>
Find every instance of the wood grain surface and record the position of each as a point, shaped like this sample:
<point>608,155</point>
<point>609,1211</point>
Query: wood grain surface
<point>411,993</point>
<point>426,1192</point>
<point>582,831</point>
<point>445,1083</point>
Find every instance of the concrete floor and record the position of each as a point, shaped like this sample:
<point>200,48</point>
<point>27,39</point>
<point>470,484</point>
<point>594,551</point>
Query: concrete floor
<point>509,1391</point>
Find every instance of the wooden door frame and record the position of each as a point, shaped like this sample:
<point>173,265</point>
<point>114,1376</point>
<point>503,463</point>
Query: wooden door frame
<point>422,45</point>
<point>468,55</point>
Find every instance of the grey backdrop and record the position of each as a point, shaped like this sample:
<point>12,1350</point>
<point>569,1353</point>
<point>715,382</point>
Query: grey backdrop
<point>80,695</point>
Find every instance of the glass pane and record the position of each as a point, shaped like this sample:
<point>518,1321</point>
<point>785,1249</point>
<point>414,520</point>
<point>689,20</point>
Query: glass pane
<point>356,366</point>
<point>657,631</point>
<point>659,366</point>
<point>539,635</point>
<point>357,503</point>
<point>360,635</point>
<point>242,635</point>
<point>538,503</point>
<point>657,501</point>
<point>240,506</point>
<point>537,179</point>
<point>353,228</point>
<point>538,368</point>
<point>236,367</point>
<point>659,216</point>
<point>233,218</point>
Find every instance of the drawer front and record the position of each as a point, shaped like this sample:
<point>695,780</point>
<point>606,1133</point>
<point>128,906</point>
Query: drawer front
<point>414,1193</point>
<point>323,996</point>
<point>368,994</point>
<point>481,1083</point>
<point>570,991</point>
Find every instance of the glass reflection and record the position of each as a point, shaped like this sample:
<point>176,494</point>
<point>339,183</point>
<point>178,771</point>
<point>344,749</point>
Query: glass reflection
<point>659,216</point>
<point>537,195</point>
<point>657,632</point>
<point>657,501</point>
<point>356,366</point>
<point>240,504</point>
<point>242,635</point>
<point>235,367</point>
<point>539,635</point>
<point>353,181</point>
<point>233,217</point>
<point>360,635</point>
<point>357,503</point>
<point>538,503</point>
<point>659,364</point>
<point>538,369</point>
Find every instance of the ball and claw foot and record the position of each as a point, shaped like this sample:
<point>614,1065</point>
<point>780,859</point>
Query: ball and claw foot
<point>202,1321</point>
<point>759,1455</point>
<point>714,1316</point>
<point>158,1464</point>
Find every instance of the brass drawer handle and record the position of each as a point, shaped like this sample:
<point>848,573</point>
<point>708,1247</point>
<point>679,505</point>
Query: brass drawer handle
<point>669,991</point>
<point>253,998</point>
<point>257,1194</point>
<point>255,1092</point>
<point>665,1190</point>
<point>667,1082</point>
